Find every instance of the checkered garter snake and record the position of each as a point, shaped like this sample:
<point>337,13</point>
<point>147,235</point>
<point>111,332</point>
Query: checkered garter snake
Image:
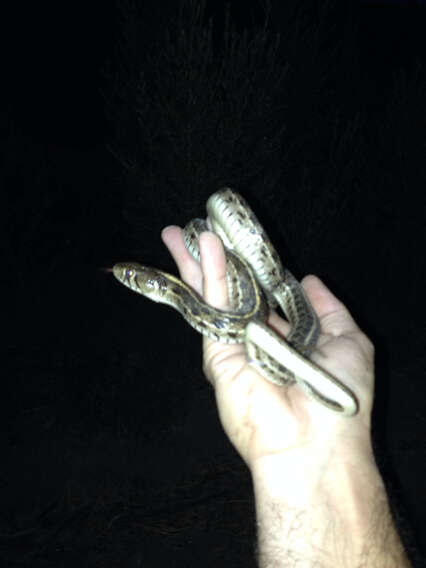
<point>257,281</point>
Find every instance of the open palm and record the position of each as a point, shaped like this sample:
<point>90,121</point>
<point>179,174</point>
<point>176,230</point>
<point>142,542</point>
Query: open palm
<point>263,419</point>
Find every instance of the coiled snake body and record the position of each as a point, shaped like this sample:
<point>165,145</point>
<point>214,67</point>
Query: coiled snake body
<point>257,281</point>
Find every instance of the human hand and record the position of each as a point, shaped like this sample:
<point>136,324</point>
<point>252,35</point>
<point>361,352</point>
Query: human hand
<point>318,494</point>
<point>264,420</point>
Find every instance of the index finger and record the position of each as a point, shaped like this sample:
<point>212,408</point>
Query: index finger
<point>189,268</point>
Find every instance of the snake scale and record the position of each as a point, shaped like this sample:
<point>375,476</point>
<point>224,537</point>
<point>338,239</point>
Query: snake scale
<point>257,282</point>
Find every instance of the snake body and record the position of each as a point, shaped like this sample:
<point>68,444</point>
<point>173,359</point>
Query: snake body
<point>257,281</point>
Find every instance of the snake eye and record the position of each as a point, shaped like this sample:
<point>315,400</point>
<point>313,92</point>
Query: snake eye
<point>129,272</point>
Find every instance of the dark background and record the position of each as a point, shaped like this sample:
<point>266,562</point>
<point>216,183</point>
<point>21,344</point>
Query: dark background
<point>120,119</point>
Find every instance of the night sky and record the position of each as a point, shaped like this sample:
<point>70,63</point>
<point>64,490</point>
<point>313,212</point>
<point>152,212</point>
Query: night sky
<point>113,454</point>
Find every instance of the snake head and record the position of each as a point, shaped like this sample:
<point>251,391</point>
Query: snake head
<point>142,279</point>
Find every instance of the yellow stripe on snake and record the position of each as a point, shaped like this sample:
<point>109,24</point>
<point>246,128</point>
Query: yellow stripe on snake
<point>257,281</point>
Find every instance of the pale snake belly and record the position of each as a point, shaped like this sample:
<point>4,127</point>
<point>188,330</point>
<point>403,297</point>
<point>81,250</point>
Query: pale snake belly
<point>257,281</point>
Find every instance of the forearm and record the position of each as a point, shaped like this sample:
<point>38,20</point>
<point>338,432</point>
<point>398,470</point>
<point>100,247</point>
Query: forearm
<point>340,517</point>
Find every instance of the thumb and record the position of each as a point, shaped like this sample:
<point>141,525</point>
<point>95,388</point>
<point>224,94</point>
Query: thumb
<point>334,316</point>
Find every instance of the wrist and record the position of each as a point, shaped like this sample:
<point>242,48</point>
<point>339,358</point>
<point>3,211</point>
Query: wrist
<point>301,474</point>
<point>325,514</point>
